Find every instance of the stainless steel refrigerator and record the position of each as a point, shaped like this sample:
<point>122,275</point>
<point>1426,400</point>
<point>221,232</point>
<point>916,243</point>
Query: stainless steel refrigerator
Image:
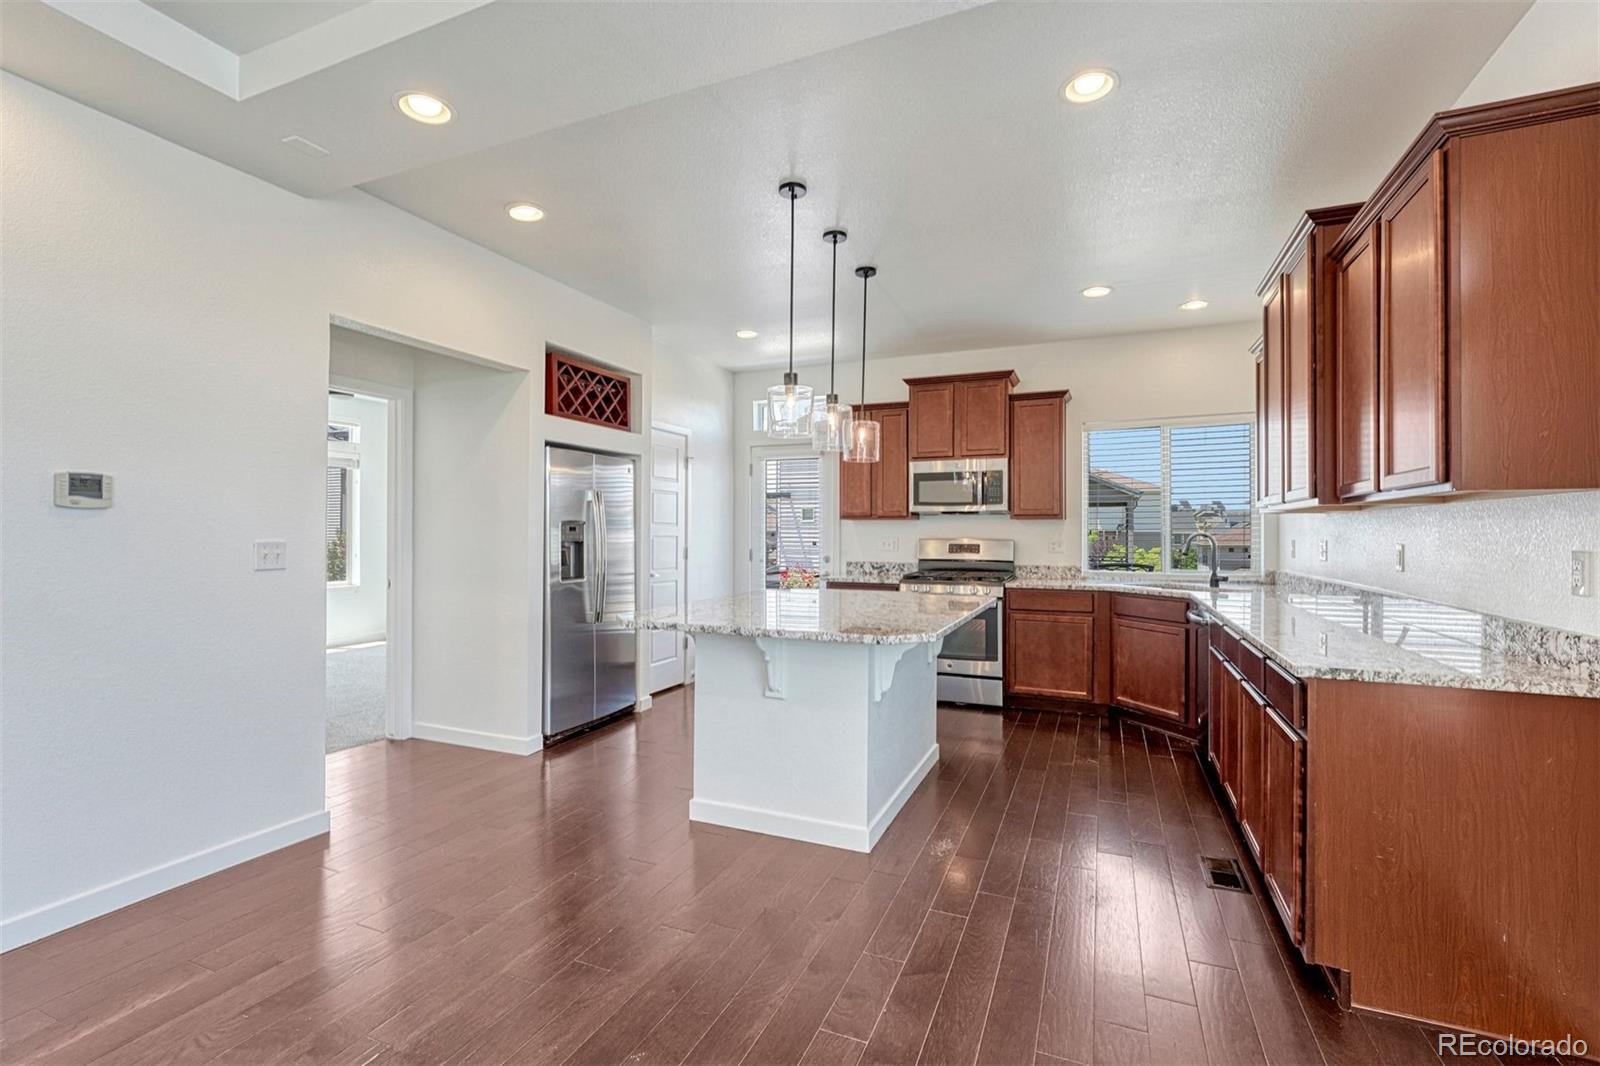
<point>588,654</point>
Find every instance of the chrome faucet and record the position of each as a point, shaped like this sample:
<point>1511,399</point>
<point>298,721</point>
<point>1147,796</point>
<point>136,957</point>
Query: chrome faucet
<point>1203,520</point>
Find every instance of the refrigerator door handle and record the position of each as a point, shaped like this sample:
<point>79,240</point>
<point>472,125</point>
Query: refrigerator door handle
<point>604,561</point>
<point>591,580</point>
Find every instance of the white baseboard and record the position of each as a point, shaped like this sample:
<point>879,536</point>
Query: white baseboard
<point>897,799</point>
<point>815,830</point>
<point>779,824</point>
<point>75,910</point>
<point>472,738</point>
<point>645,703</point>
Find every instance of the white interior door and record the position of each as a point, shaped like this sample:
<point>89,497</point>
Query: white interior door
<point>665,664</point>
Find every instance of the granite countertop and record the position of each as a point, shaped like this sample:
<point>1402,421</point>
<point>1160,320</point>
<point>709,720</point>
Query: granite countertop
<point>840,616</point>
<point>1328,630</point>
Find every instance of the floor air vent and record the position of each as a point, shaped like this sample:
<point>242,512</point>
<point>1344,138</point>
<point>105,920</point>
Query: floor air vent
<point>1224,873</point>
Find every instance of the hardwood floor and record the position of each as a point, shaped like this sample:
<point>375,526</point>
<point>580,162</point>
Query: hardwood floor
<point>1039,900</point>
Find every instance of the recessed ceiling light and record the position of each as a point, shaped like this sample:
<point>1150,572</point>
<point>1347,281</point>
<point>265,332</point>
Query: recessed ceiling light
<point>746,334</point>
<point>525,212</point>
<point>1089,85</point>
<point>1193,305</point>
<point>424,107</point>
<point>1094,292</point>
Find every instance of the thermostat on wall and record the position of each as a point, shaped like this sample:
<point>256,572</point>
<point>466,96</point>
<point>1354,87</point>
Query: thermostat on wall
<point>74,488</point>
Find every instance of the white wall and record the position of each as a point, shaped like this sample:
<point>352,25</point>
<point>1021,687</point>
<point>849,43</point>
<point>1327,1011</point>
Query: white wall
<point>358,612</point>
<point>1554,45</point>
<point>1505,556</point>
<point>1207,370</point>
<point>161,310</point>
<point>692,394</point>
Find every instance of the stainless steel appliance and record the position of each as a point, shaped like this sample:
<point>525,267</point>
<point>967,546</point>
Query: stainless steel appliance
<point>971,665</point>
<point>589,589</point>
<point>959,486</point>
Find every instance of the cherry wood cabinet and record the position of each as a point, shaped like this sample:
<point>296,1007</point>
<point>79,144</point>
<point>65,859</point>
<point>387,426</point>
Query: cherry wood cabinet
<point>1257,748</point>
<point>1270,478</point>
<point>1037,460</point>
<point>1411,428</point>
<point>1447,331</point>
<point>1295,385</point>
<point>1050,654</point>
<point>933,420</point>
<point>881,489</point>
<point>1281,816</point>
<point>960,416</point>
<point>1150,666</point>
<point>1356,412</point>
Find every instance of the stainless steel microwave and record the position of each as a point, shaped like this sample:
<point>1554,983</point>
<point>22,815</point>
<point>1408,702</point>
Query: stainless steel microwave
<point>959,486</point>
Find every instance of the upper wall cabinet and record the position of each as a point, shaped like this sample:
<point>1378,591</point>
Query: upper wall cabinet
<point>1038,474</point>
<point>1445,338</point>
<point>1295,377</point>
<point>960,416</point>
<point>881,489</point>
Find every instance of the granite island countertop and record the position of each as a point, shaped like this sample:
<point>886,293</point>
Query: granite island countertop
<point>1340,632</point>
<point>840,616</point>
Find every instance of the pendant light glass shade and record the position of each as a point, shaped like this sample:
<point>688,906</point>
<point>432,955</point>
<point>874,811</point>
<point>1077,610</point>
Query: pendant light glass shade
<point>866,442</point>
<point>831,426</point>
<point>789,409</point>
<point>830,423</point>
<point>789,405</point>
<point>866,435</point>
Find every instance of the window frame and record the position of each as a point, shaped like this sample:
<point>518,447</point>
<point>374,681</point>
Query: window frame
<point>1166,426</point>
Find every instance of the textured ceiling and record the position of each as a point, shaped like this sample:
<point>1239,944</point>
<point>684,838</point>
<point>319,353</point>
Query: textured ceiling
<point>655,135</point>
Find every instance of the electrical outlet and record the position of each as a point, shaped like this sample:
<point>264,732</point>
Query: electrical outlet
<point>270,555</point>
<point>1322,643</point>
<point>1054,547</point>
<point>1582,573</point>
<point>1322,551</point>
<point>889,544</point>
<point>1293,544</point>
<point>1400,557</point>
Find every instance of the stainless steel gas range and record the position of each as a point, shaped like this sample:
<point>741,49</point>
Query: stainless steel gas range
<point>972,659</point>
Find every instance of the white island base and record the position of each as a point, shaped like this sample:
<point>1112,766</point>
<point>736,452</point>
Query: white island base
<point>812,740</point>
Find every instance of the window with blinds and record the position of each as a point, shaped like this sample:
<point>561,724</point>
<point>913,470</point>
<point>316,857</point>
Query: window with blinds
<point>793,516</point>
<point>1147,488</point>
<point>336,523</point>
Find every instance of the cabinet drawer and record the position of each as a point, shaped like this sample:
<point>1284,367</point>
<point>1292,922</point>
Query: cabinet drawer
<point>1073,601</point>
<point>1286,694</point>
<point>1223,640</point>
<point>1161,608</point>
<point>1252,665</point>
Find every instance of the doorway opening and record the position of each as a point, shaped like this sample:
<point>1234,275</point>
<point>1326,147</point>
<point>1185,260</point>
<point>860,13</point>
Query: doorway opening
<point>792,489</point>
<point>363,535</point>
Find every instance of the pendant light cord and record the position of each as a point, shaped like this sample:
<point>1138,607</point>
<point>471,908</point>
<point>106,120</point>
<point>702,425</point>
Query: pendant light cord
<point>863,339</point>
<point>791,284</point>
<point>833,318</point>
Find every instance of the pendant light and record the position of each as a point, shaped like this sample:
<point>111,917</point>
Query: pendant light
<point>830,425</point>
<point>865,434</point>
<point>789,404</point>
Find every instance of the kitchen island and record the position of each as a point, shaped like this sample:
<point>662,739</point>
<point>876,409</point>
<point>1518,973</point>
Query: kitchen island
<point>814,709</point>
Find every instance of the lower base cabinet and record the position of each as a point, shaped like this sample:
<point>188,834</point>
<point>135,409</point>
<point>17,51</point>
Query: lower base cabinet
<point>1283,801</point>
<point>1150,666</point>
<point>1050,654</point>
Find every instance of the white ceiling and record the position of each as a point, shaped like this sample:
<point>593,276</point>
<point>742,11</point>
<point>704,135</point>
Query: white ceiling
<point>655,135</point>
<point>243,26</point>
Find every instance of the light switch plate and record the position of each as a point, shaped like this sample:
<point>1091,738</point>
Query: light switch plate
<point>1582,573</point>
<point>1322,551</point>
<point>271,554</point>
<point>889,544</point>
<point>1400,557</point>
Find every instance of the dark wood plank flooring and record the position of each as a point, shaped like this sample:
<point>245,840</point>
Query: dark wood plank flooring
<point>1039,900</point>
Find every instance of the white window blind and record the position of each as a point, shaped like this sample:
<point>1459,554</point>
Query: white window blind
<point>793,515</point>
<point>1145,486</point>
